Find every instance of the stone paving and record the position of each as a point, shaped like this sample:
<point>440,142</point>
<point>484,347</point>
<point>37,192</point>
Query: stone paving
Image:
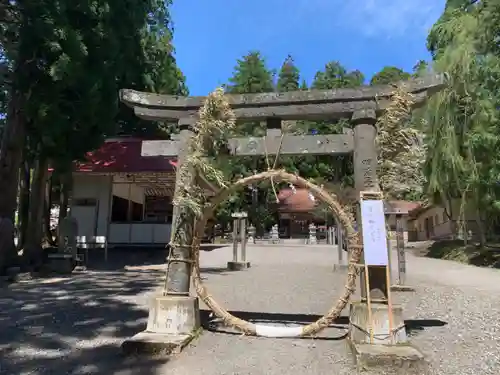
<point>75,325</point>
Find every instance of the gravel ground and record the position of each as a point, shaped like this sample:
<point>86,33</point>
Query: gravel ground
<point>75,326</point>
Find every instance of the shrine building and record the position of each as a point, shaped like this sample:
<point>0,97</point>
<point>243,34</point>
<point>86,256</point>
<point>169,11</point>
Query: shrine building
<point>121,198</point>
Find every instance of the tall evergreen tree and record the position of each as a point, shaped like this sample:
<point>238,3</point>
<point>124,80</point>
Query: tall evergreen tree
<point>288,77</point>
<point>251,76</point>
<point>66,62</point>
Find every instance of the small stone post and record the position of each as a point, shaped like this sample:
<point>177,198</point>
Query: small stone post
<point>239,237</point>
<point>243,236</point>
<point>331,235</point>
<point>400,246</point>
<point>67,233</point>
<point>236,228</point>
<point>64,259</point>
<point>275,234</point>
<point>251,234</point>
<point>313,240</point>
<point>341,263</point>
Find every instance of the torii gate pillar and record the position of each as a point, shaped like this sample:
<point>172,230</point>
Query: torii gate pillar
<point>365,179</point>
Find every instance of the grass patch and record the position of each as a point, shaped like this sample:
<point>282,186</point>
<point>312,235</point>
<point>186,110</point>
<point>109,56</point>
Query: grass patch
<point>487,256</point>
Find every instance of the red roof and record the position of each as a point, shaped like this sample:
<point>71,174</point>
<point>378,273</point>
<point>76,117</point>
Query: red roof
<point>295,201</point>
<point>300,201</point>
<point>124,155</point>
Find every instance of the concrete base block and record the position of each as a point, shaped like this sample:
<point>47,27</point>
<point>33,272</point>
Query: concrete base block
<point>58,263</point>
<point>150,343</point>
<point>173,315</point>
<point>172,323</point>
<point>359,326</point>
<point>402,288</point>
<point>390,359</point>
<point>238,266</point>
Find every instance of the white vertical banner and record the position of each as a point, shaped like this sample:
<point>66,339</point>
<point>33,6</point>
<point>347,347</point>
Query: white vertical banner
<point>374,233</point>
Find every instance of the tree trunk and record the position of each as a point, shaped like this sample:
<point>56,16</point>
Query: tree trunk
<point>64,193</point>
<point>12,146</point>
<point>47,212</point>
<point>24,202</point>
<point>480,228</point>
<point>33,248</point>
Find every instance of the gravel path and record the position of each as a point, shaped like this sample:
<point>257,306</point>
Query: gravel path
<point>75,326</point>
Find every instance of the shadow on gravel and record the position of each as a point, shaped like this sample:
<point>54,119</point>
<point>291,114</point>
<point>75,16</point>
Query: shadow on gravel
<point>118,258</point>
<point>214,270</point>
<point>413,326</point>
<point>74,325</point>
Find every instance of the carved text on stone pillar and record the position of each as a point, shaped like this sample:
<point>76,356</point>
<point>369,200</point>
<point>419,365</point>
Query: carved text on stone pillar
<point>368,179</point>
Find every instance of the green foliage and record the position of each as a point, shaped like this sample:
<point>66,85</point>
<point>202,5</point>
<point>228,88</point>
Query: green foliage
<point>389,74</point>
<point>420,68</point>
<point>462,121</point>
<point>336,76</point>
<point>73,58</point>
<point>149,66</point>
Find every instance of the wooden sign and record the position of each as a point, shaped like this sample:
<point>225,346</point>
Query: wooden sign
<point>374,233</point>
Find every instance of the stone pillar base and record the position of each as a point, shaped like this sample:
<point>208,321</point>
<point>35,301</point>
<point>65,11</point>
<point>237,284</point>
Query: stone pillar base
<point>389,350</point>
<point>173,322</point>
<point>360,324</point>
<point>238,266</point>
<point>388,359</point>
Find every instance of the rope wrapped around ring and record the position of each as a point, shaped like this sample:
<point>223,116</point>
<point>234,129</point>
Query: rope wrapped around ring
<point>354,249</point>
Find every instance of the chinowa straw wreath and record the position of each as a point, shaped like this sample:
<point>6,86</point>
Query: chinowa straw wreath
<point>353,245</point>
<point>206,162</point>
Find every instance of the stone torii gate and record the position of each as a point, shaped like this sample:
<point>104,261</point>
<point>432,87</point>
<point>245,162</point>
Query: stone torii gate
<point>174,316</point>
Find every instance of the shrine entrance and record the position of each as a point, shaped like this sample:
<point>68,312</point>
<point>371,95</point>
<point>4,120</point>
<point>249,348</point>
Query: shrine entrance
<point>361,105</point>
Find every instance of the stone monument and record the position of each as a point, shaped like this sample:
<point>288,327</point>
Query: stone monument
<point>251,233</point>
<point>239,238</point>
<point>275,235</point>
<point>64,258</point>
<point>67,233</point>
<point>313,240</point>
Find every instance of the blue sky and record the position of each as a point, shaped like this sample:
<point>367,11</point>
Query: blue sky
<point>210,35</point>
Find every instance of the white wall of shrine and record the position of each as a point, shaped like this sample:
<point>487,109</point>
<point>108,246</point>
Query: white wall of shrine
<point>91,205</point>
